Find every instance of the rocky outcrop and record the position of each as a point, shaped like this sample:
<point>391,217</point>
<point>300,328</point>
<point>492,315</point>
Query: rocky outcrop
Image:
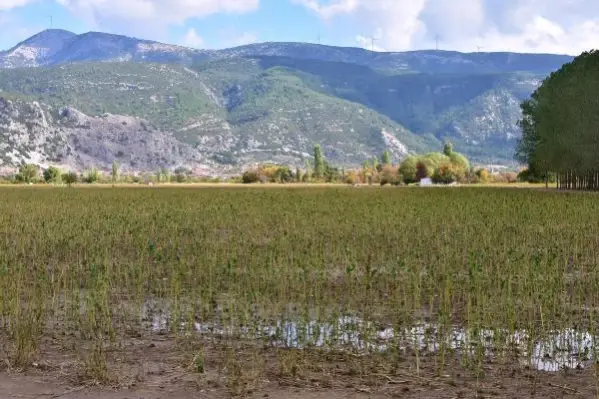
<point>33,132</point>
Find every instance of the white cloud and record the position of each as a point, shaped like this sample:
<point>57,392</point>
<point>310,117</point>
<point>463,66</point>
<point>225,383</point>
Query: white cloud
<point>561,26</point>
<point>192,39</point>
<point>330,9</point>
<point>150,17</point>
<point>8,4</point>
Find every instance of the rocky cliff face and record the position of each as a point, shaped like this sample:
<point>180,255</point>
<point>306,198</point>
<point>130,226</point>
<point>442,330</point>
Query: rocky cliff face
<point>36,133</point>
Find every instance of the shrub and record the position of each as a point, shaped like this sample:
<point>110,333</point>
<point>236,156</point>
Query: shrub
<point>446,174</point>
<point>511,177</point>
<point>28,173</point>
<point>482,175</point>
<point>352,177</point>
<point>52,175</point>
<point>180,177</point>
<point>92,176</point>
<point>283,175</point>
<point>250,176</point>
<point>389,175</point>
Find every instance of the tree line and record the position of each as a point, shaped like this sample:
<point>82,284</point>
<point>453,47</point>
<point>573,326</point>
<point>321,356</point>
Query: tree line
<point>444,167</point>
<point>32,173</point>
<point>560,126</point>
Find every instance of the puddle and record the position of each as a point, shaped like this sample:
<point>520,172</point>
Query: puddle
<point>567,349</point>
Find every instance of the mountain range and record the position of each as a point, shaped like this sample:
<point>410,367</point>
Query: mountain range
<point>88,100</point>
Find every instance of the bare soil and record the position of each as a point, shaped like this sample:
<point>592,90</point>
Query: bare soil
<point>162,367</point>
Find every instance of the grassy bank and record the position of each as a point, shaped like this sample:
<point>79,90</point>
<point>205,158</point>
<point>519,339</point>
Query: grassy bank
<point>392,272</point>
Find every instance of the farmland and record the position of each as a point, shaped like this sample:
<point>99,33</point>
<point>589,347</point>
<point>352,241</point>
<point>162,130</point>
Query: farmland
<point>305,284</point>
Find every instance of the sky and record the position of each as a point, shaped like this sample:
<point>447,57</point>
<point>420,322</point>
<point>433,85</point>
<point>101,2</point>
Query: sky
<point>539,26</point>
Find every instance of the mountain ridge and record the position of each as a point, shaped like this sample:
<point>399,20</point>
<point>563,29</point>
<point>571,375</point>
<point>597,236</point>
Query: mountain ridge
<point>437,61</point>
<point>267,102</point>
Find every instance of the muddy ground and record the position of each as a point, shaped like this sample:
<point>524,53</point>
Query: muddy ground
<point>161,367</point>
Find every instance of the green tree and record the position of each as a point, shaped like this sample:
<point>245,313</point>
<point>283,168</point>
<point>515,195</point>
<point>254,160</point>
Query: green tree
<point>560,129</point>
<point>250,176</point>
<point>319,168</point>
<point>52,175</point>
<point>298,175</point>
<point>70,178</point>
<point>115,171</point>
<point>28,173</point>
<point>386,158</point>
<point>92,176</point>
<point>308,175</point>
<point>283,175</point>
<point>448,148</point>
<point>408,169</point>
<point>180,177</point>
<point>460,161</point>
<point>375,163</point>
<point>446,174</point>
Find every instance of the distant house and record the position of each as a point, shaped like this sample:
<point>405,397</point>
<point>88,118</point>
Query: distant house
<point>427,181</point>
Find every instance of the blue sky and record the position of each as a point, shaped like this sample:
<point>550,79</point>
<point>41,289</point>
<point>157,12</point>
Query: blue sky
<point>558,26</point>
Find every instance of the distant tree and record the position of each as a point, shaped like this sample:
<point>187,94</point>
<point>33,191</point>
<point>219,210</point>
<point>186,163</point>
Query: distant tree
<point>70,178</point>
<point>115,172</point>
<point>332,174</point>
<point>375,164</point>
<point>160,175</point>
<point>482,175</point>
<point>298,175</point>
<point>319,167</point>
<point>389,175</point>
<point>308,175</point>
<point>250,176</point>
<point>92,176</point>
<point>180,177</point>
<point>52,175</point>
<point>283,175</point>
<point>28,173</point>
<point>448,148</point>
<point>408,169</point>
<point>352,177</point>
<point>461,162</point>
<point>446,174</point>
<point>386,158</point>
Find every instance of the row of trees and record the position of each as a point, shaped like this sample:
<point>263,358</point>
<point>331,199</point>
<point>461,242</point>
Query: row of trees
<point>31,173</point>
<point>442,167</point>
<point>322,171</point>
<point>560,126</point>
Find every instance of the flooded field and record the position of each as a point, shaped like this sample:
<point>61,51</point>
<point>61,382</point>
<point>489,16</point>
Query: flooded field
<point>463,279</point>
